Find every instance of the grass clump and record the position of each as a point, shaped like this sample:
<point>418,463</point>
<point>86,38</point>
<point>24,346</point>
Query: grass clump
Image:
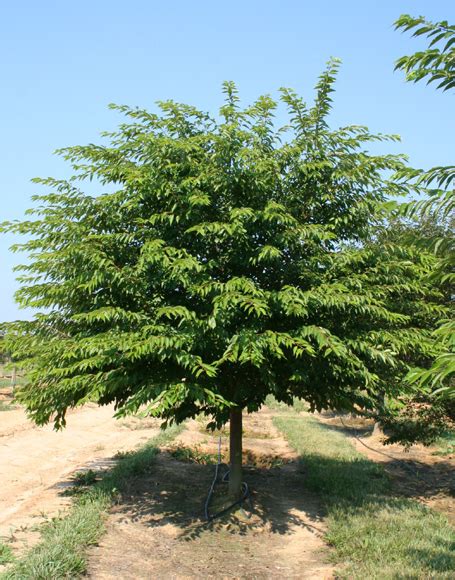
<point>64,541</point>
<point>193,455</point>
<point>85,478</point>
<point>6,554</point>
<point>60,554</point>
<point>374,534</point>
<point>446,444</point>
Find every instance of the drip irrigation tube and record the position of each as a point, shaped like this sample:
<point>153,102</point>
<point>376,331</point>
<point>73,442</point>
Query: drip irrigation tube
<point>245,491</point>
<point>403,462</point>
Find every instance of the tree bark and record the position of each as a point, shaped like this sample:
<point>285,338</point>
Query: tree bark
<point>377,429</point>
<point>235,452</point>
<point>13,380</point>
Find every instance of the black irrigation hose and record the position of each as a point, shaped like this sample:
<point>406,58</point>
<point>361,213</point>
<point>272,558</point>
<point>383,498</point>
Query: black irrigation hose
<point>403,462</point>
<point>245,491</point>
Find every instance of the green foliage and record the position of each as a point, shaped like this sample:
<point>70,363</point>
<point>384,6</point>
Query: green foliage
<point>6,554</point>
<point>421,418</point>
<point>227,265</point>
<point>193,455</point>
<point>374,534</point>
<point>427,412</point>
<point>84,478</point>
<point>437,62</point>
<point>60,554</point>
<point>446,444</point>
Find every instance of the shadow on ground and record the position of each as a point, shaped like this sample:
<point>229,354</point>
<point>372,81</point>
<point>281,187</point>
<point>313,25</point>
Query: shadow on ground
<point>157,529</point>
<point>176,493</point>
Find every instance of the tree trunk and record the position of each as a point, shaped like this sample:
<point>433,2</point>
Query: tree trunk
<point>13,380</point>
<point>377,429</point>
<point>235,449</point>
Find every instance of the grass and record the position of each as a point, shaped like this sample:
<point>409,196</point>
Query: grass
<point>297,405</point>
<point>5,382</point>
<point>85,478</point>
<point>6,554</point>
<point>374,534</point>
<point>64,541</point>
<point>446,445</point>
<point>193,455</point>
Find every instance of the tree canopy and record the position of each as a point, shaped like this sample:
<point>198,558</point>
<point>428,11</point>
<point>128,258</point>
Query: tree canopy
<point>427,225</point>
<point>228,264</point>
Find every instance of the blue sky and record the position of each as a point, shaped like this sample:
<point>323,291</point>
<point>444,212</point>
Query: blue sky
<point>63,62</point>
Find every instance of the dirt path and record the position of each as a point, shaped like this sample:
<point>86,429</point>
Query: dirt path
<point>158,530</point>
<point>36,464</point>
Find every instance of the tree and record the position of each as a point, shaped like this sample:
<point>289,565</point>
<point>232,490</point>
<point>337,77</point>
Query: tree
<point>437,64</point>
<point>215,274</point>
<point>421,414</point>
<point>428,411</point>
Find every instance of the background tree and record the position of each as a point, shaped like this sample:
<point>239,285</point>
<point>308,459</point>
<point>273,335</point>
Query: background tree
<point>436,64</point>
<point>419,415</point>
<point>427,225</point>
<point>215,274</point>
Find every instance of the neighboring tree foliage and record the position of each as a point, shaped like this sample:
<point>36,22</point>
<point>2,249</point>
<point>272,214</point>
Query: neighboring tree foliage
<point>226,266</point>
<point>423,414</point>
<point>429,411</point>
<point>436,64</point>
<point>440,376</point>
<point>427,225</point>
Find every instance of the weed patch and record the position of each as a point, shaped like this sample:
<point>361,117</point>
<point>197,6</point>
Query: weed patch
<point>6,554</point>
<point>85,478</point>
<point>193,455</point>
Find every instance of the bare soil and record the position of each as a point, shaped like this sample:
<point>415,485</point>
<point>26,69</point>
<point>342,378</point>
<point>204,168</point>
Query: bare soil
<point>158,529</point>
<point>37,463</point>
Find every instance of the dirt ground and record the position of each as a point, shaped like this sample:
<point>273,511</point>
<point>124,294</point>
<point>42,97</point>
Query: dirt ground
<point>36,464</point>
<point>158,530</point>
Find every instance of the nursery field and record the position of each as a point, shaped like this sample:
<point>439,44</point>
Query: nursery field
<point>120,499</point>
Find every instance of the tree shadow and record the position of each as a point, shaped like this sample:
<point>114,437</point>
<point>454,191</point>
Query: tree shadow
<point>175,493</point>
<point>361,430</point>
<point>170,496</point>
